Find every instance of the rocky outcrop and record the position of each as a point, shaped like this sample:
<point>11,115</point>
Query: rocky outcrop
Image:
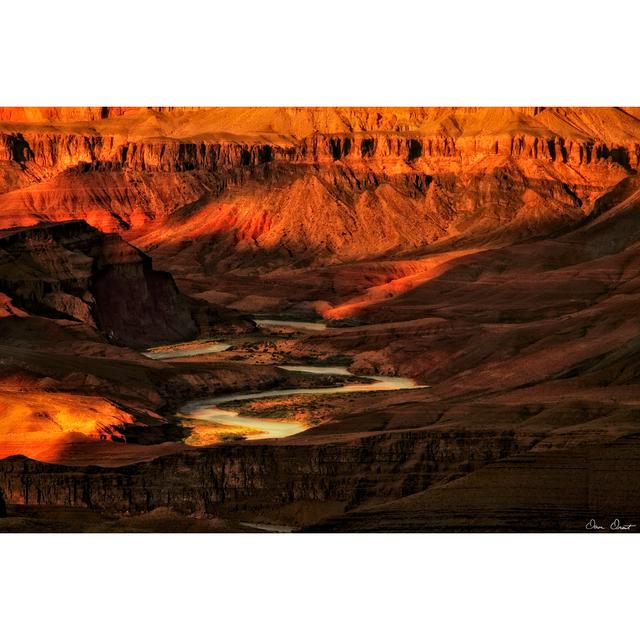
<point>46,152</point>
<point>453,480</point>
<point>223,478</point>
<point>121,168</point>
<point>71,270</point>
<point>61,151</point>
<point>3,505</point>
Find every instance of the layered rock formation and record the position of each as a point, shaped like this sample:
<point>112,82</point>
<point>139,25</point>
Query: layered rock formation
<point>238,193</point>
<point>473,480</point>
<point>71,270</point>
<point>256,476</point>
<point>238,180</point>
<point>71,300</point>
<point>489,253</point>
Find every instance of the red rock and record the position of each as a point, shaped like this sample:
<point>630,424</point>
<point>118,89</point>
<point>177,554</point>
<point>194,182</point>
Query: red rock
<point>492,253</point>
<point>70,270</point>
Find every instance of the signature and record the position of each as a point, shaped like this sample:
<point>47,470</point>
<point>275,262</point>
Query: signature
<point>592,525</point>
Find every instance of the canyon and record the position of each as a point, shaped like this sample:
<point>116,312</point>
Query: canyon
<point>488,254</point>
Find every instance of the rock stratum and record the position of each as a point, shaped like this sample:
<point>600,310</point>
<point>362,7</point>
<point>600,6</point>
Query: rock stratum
<point>247,191</point>
<point>489,253</point>
<point>76,302</point>
<point>72,271</point>
<point>362,171</point>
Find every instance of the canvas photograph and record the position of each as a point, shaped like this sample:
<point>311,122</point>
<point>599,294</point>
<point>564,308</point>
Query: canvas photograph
<point>319,319</point>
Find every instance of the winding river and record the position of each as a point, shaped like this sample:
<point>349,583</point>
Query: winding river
<point>185,350</point>
<point>293,324</point>
<point>210,410</point>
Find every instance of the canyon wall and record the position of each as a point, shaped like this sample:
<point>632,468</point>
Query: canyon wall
<point>447,171</point>
<point>460,480</point>
<point>262,476</point>
<point>48,152</point>
<point>72,271</point>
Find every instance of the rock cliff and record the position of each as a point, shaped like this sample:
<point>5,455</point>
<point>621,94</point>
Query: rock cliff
<point>73,271</point>
<point>444,172</point>
<point>263,477</point>
<point>465,480</point>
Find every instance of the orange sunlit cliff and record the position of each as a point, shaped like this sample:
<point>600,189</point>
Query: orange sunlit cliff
<point>485,259</point>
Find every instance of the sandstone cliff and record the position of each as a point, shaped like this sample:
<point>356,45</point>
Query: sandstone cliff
<point>470,480</point>
<point>72,271</point>
<point>236,175</point>
<point>261,477</point>
<point>491,253</point>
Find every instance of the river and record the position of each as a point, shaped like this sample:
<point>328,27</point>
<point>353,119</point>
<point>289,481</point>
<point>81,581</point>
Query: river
<point>293,324</point>
<point>185,350</point>
<point>201,347</point>
<point>210,409</point>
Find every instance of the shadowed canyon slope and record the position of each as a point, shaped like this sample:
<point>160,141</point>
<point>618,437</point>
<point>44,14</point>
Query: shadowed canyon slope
<point>73,301</point>
<point>492,254</point>
<point>72,271</point>
<point>237,191</point>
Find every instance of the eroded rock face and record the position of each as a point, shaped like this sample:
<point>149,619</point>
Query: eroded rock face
<point>72,271</point>
<point>460,480</point>
<point>260,477</point>
<point>310,185</point>
<point>3,506</point>
<point>526,305</point>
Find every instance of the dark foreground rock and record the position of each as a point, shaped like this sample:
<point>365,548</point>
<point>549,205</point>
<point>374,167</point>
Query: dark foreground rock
<point>72,271</point>
<point>411,481</point>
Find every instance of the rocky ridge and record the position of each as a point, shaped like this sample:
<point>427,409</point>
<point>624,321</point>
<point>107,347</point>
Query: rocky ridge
<point>124,169</point>
<point>72,271</point>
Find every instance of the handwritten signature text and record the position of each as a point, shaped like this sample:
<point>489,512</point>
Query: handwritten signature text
<point>616,525</point>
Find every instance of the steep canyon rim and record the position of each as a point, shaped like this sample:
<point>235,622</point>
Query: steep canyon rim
<point>489,254</point>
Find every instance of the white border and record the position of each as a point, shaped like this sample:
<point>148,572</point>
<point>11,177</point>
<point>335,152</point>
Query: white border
<point>320,52</point>
<point>334,52</point>
<point>319,586</point>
